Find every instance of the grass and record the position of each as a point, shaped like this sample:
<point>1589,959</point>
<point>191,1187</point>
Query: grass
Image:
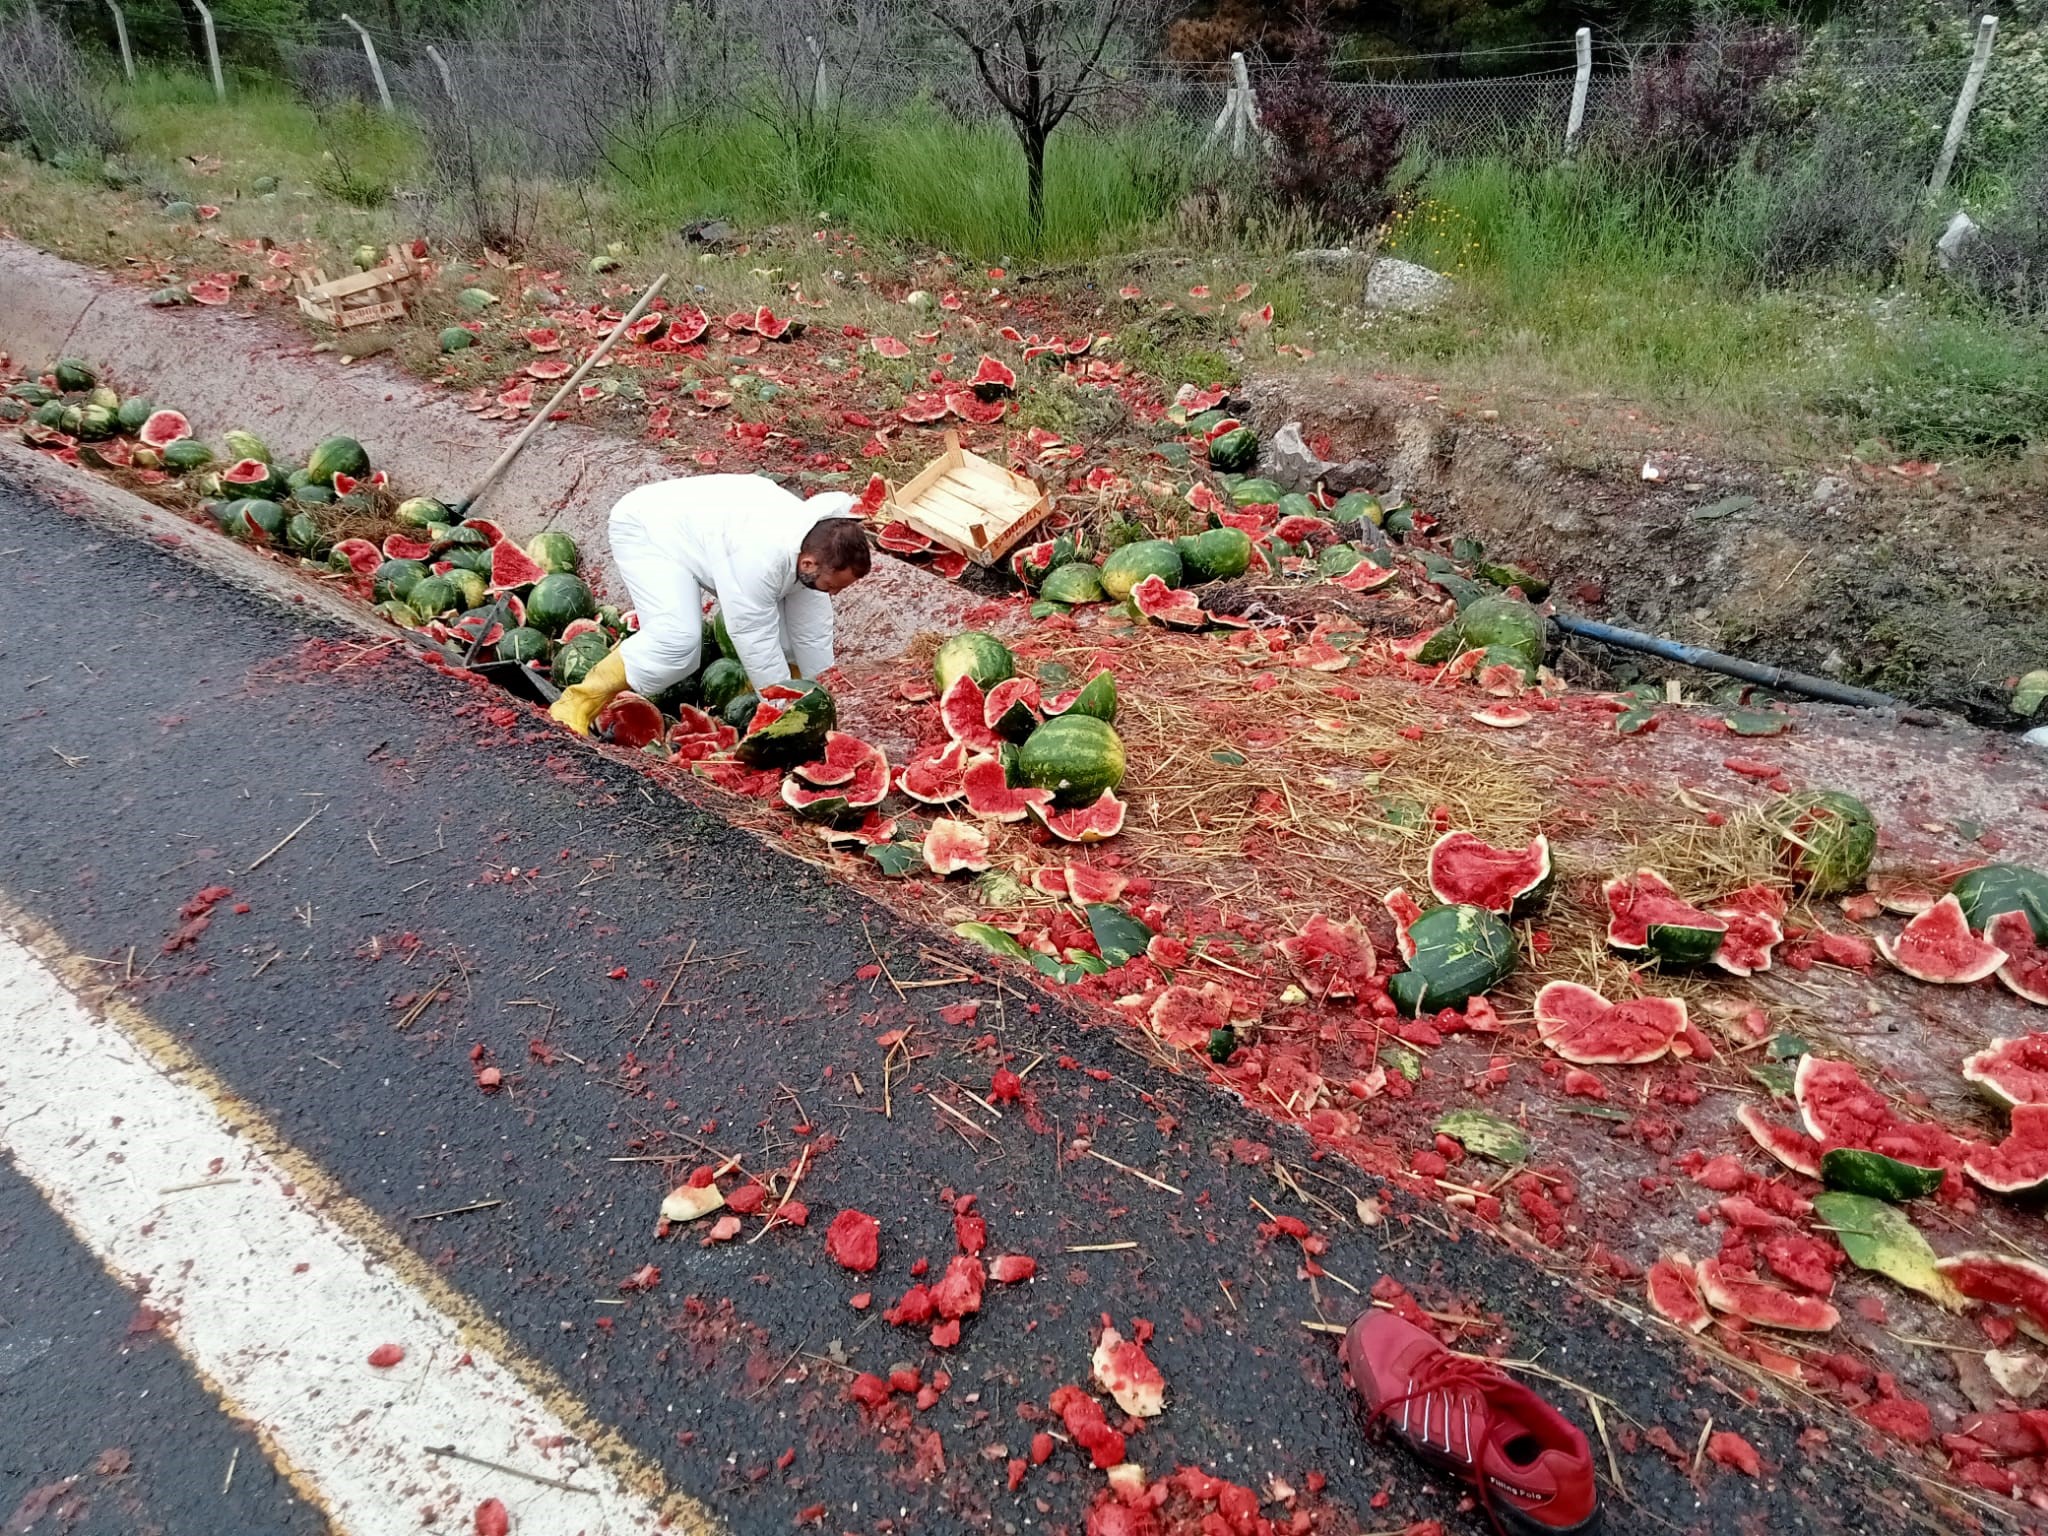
<point>920,177</point>
<point>262,129</point>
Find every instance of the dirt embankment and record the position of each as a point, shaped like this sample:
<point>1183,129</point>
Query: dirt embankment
<point>1907,585</point>
<point>226,369</point>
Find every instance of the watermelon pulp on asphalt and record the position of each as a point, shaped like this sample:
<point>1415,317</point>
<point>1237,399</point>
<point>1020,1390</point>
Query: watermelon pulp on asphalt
<point>1768,1306</point>
<point>1646,913</point>
<point>1674,1293</point>
<point>1938,946</point>
<point>1842,1112</point>
<point>1789,1145</point>
<point>1462,868</point>
<point>1077,757</point>
<point>1585,1028</point>
<point>2018,1165</point>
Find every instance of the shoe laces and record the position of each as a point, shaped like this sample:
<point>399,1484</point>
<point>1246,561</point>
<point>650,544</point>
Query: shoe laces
<point>1447,1372</point>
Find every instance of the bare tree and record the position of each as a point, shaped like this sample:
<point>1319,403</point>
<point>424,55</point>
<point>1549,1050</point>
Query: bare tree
<point>816,54</point>
<point>1038,59</point>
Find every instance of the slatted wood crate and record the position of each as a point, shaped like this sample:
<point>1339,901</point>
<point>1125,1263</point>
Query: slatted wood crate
<point>969,504</point>
<point>361,298</point>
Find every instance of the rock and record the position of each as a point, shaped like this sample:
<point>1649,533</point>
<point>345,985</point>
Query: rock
<point>1285,458</point>
<point>1955,240</point>
<point>1829,489</point>
<point>711,232</point>
<point>1404,286</point>
<point>2037,737</point>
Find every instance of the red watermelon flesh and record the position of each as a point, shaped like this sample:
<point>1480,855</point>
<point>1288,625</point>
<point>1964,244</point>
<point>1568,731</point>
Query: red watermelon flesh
<point>547,369</point>
<point>1465,871</point>
<point>858,769</point>
<point>2006,1282</point>
<point>899,538</point>
<point>1089,824</point>
<point>1302,530</point>
<point>162,429</point>
<point>874,829</point>
<point>922,409</point>
<point>1586,1029</point>
<point>1367,577</point>
<point>692,721</point>
<point>577,627</point>
<point>971,408</point>
<point>1013,707</point>
<point>2018,1164</point>
<point>1906,897</point>
<point>1168,605</point>
<point>992,377</point>
<point>363,556</point>
<point>1503,717</point>
<point>767,324</point>
<point>399,546</point>
<point>1804,1261</point>
<point>686,323</point>
<point>990,797</point>
<point>512,566</point>
<point>1768,1306</point>
<point>1674,1293</point>
<point>952,847</point>
<point>1404,910</point>
<point>2011,1071</point>
<point>1789,1145</point>
<point>963,710</point>
<point>813,804</point>
<point>936,777</point>
<point>493,534</point>
<point>245,472</point>
<point>1336,957</point>
<point>889,346</point>
<point>1087,885</point>
<point>948,564</point>
<point>630,721</point>
<point>1246,520</point>
<point>2026,958</point>
<point>1746,946</point>
<point>1938,946</point>
<point>1841,1110</point>
<point>1645,900</point>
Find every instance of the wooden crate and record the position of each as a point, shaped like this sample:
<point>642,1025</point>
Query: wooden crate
<point>361,298</point>
<point>969,504</point>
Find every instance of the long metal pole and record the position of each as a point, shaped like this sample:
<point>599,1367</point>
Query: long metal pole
<point>541,416</point>
<point>220,89</point>
<point>376,65</point>
<point>121,37</point>
<point>1733,666</point>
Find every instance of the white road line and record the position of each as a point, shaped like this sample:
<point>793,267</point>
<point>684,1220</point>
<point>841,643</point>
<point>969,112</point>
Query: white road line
<point>277,1308</point>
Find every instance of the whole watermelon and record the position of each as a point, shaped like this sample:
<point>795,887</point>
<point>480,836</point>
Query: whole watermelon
<point>1075,756</point>
<point>1235,452</point>
<point>976,654</point>
<point>1128,566</point>
<point>558,600</point>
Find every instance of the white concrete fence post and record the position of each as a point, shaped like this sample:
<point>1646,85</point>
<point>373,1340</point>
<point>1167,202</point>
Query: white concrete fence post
<point>1246,119</point>
<point>441,64</point>
<point>220,89</point>
<point>121,37</point>
<point>370,53</point>
<point>1980,61</point>
<point>1582,85</point>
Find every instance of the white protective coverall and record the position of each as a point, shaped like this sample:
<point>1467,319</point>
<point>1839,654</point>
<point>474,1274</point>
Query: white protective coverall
<point>737,536</point>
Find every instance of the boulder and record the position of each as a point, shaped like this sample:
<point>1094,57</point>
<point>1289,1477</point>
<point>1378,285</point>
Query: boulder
<point>1403,286</point>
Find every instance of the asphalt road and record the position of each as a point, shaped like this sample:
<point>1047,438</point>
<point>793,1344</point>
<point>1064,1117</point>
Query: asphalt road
<point>468,886</point>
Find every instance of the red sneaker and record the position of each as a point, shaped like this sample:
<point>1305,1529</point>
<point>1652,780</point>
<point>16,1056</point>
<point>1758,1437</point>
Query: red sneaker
<point>1531,1465</point>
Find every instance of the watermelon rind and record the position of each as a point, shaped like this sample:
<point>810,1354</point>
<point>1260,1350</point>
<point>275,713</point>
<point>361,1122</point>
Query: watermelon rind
<point>1517,879</point>
<point>1131,564</point>
<point>1938,946</point>
<point>1876,1175</point>
<point>1827,839</point>
<point>2003,1281</point>
<point>1235,452</point>
<point>2011,1070</point>
<point>573,661</point>
<point>1688,936</point>
<point>975,654</point>
<point>1221,554</point>
<point>1454,953</point>
<point>396,578</point>
<point>433,595</point>
<point>1089,824</point>
<point>1097,697</point>
<point>1673,1290</point>
<point>794,736</point>
<point>1768,1306</point>
<point>2025,972</point>
<point>1077,757</point>
<point>1792,1147</point>
<point>1570,1019</point>
<point>554,549</point>
<point>2018,1165</point>
<point>1257,491</point>
<point>524,644</point>
<point>187,453</point>
<point>1075,583</point>
<point>423,511</point>
<point>1986,891</point>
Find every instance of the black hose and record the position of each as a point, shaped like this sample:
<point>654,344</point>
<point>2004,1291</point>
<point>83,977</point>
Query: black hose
<point>1733,666</point>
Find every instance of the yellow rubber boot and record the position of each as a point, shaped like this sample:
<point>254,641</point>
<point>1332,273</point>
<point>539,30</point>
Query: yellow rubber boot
<point>579,706</point>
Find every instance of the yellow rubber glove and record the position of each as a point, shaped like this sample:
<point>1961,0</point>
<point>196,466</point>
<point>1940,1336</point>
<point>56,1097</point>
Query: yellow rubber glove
<point>579,706</point>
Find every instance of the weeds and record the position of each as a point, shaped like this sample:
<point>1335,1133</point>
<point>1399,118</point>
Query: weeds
<point>50,105</point>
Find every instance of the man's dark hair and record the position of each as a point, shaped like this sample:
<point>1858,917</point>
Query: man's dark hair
<point>839,544</point>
